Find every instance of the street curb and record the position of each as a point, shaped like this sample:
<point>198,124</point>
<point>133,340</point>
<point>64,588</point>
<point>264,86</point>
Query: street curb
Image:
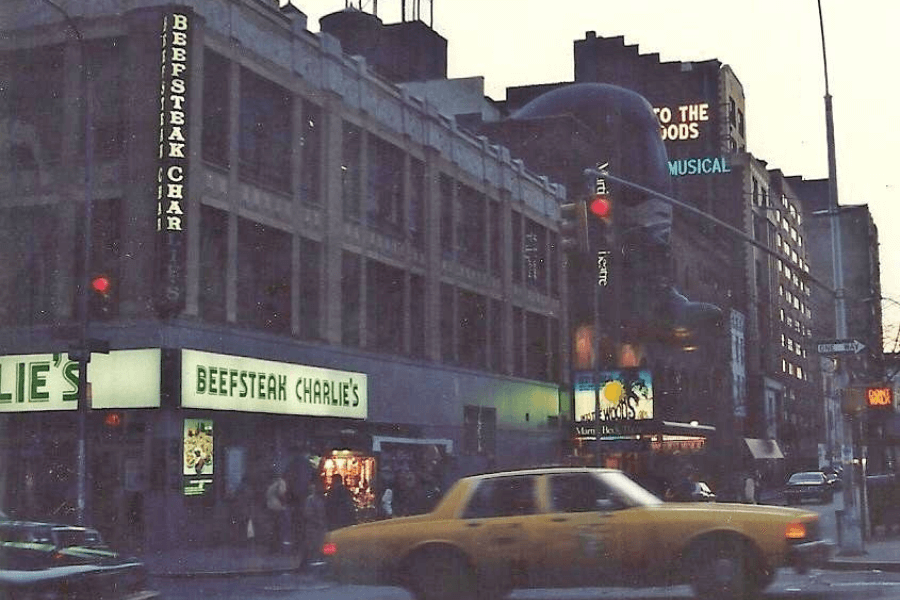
<point>229,573</point>
<point>862,565</point>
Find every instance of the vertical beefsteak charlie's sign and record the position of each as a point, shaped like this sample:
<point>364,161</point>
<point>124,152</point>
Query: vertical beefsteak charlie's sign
<point>172,174</point>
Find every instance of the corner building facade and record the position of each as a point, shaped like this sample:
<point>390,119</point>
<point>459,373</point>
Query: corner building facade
<point>307,264</point>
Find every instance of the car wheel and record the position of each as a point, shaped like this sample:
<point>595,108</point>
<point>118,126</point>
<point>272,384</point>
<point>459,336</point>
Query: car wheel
<point>441,575</point>
<point>726,569</point>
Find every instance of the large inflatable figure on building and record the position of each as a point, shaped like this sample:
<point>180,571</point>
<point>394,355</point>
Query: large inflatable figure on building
<point>622,131</point>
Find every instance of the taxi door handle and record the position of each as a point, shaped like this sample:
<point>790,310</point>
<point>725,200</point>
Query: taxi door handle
<point>559,520</point>
<point>473,524</point>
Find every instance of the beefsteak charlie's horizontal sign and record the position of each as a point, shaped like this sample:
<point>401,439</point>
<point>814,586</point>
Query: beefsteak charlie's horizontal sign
<point>225,382</point>
<point>120,379</point>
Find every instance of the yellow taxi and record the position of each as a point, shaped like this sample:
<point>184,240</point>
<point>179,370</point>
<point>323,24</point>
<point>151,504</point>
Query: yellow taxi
<point>573,527</point>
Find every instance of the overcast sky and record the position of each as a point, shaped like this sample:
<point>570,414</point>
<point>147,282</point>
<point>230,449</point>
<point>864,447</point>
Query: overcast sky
<point>773,46</point>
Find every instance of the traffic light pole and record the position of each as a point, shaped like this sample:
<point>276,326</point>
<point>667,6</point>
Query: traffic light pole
<point>83,353</point>
<point>851,524</point>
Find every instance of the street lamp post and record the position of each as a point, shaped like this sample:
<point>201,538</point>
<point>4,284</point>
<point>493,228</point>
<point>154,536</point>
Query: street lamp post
<point>851,538</point>
<point>82,353</point>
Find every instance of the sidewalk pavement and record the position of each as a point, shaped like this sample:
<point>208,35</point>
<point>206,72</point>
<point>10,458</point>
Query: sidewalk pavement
<point>879,554</point>
<point>220,561</point>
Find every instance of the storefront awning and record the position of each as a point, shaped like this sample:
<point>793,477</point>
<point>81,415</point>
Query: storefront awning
<point>763,448</point>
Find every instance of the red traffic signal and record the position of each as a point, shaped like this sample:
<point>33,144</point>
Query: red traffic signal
<point>101,284</point>
<point>601,206</point>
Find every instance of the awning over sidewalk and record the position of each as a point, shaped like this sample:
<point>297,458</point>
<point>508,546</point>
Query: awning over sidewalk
<point>763,448</point>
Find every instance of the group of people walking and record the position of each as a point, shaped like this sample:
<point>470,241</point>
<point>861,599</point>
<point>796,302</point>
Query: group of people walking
<point>291,512</point>
<point>301,520</point>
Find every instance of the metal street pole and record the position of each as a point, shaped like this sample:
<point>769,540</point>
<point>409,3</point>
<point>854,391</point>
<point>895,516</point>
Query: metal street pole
<point>83,352</point>
<point>851,525</point>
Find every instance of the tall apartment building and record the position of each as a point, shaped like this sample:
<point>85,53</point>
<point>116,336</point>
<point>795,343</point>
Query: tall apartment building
<point>861,267</point>
<point>304,258</point>
<point>702,111</point>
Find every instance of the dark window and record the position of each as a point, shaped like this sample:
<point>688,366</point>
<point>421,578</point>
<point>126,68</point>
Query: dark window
<point>495,339</point>
<point>351,170</point>
<point>265,132</point>
<point>28,245</point>
<point>471,231</point>
<point>448,344</point>
<point>472,310</point>
<point>213,263</point>
<point>553,263</point>
<point>351,286</point>
<point>732,110</point>
<point>310,286</point>
<point>536,350</point>
<point>264,277</point>
<point>446,203</point>
<point>515,246</point>
<point>417,316</point>
<point>417,203</point>
<point>502,497</point>
<point>216,102</point>
<point>311,154</point>
<point>553,355</point>
<point>495,225</point>
<point>578,492</point>
<point>32,106</point>
<point>105,70</point>
<point>385,186</point>
<point>518,342</point>
<point>384,301</point>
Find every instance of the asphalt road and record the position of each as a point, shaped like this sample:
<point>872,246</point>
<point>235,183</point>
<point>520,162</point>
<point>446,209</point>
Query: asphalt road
<point>814,585</point>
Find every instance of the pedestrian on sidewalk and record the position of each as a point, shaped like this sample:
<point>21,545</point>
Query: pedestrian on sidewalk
<point>339,507</point>
<point>750,488</point>
<point>276,503</point>
<point>315,522</point>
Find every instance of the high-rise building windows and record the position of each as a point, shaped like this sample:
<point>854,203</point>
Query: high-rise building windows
<point>264,146</point>
<point>351,171</point>
<point>264,277</point>
<point>351,301</point>
<point>213,264</point>
<point>216,103</point>
<point>311,154</point>
<point>384,203</point>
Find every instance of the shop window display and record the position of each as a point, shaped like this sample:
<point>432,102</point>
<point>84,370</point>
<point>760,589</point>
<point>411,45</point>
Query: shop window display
<point>358,472</point>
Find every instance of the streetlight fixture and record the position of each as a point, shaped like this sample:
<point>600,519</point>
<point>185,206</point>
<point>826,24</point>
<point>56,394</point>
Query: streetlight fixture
<point>851,526</point>
<point>82,352</point>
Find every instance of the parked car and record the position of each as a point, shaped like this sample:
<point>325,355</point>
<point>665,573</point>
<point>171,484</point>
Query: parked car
<point>573,527</point>
<point>51,560</point>
<point>808,485</point>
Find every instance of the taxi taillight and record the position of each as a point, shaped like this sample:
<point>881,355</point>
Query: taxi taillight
<point>329,549</point>
<point>795,531</point>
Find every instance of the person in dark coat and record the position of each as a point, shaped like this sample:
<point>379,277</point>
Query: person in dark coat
<point>339,506</point>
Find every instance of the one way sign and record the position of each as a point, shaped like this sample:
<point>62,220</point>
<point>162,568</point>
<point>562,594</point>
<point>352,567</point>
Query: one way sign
<point>841,347</point>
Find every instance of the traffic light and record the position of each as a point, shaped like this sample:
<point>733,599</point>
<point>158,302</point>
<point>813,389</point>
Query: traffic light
<point>573,227</point>
<point>101,293</point>
<point>600,208</point>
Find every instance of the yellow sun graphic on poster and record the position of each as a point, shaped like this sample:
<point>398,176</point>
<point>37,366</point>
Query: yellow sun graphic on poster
<point>613,392</point>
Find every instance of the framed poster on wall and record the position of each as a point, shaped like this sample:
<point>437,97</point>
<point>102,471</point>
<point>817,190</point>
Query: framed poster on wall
<point>198,444</point>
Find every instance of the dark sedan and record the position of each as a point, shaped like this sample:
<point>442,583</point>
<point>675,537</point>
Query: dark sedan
<point>808,485</point>
<point>54,561</point>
